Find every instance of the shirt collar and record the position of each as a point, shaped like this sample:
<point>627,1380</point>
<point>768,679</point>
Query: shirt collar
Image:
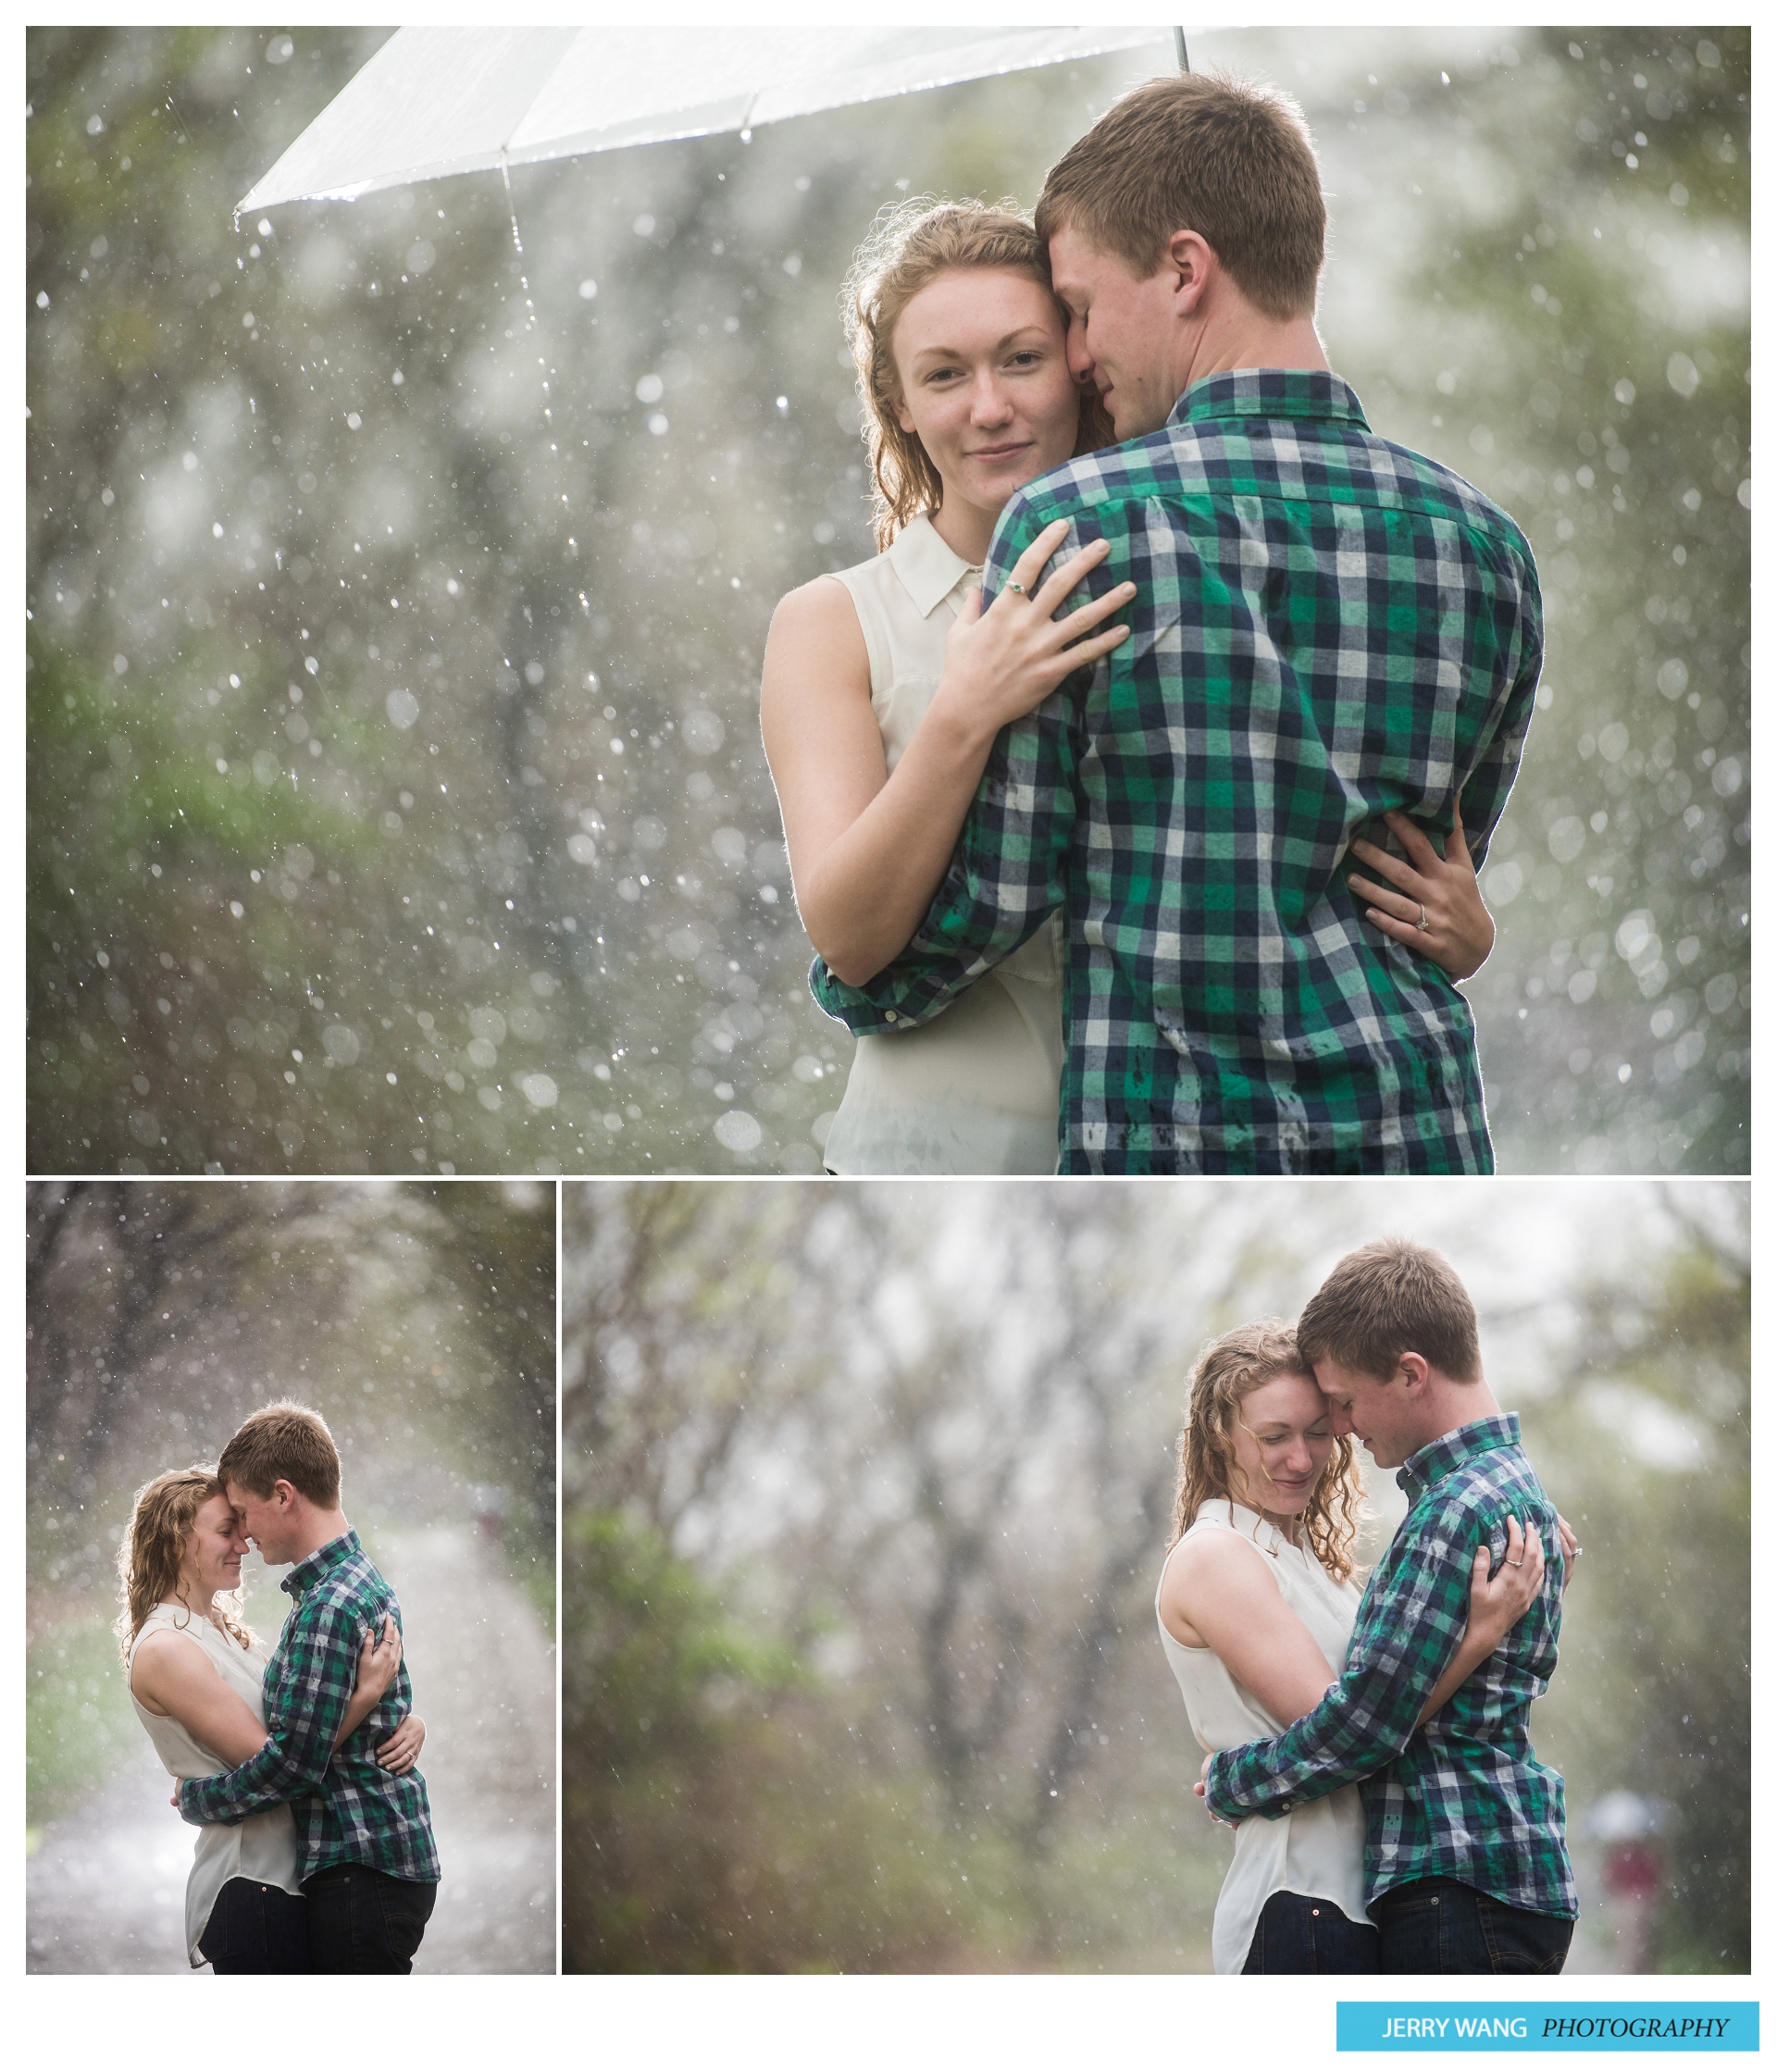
<point>928,570</point>
<point>1270,391</point>
<point>1444,1456</point>
<point>313,1567</point>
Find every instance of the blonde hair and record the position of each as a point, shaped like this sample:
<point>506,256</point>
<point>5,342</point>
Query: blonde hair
<point>1227,1370</point>
<point>153,1548</point>
<point>910,244</point>
<point>1225,158</point>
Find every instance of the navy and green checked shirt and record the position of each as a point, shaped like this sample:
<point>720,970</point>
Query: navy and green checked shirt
<point>1325,625</point>
<point>347,1809</point>
<point>1463,1796</point>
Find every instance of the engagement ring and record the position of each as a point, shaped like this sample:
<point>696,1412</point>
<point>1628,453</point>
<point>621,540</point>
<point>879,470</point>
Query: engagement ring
<point>1423,922</point>
<point>1017,589</point>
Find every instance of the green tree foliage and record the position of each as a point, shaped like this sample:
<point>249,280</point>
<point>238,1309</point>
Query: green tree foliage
<point>1594,361</point>
<point>1660,1612</point>
<point>397,596</point>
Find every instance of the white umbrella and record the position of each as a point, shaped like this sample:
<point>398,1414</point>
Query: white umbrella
<point>437,100</point>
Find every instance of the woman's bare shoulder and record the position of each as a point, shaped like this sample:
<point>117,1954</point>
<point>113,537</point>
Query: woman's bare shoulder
<point>819,609</point>
<point>167,1652</point>
<point>1216,1561</point>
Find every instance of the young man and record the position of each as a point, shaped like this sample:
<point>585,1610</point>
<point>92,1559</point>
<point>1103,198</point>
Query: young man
<point>1465,1860</point>
<point>1327,628</point>
<point>364,1850</point>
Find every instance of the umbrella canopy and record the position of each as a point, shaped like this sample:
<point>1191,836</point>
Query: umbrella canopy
<point>437,100</point>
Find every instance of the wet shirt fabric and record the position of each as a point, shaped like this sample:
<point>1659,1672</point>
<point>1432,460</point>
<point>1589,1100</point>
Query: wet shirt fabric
<point>1326,626</point>
<point>347,1809</point>
<point>1463,1796</point>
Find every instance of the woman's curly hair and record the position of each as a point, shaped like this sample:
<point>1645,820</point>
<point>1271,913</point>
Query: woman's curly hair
<point>1227,1370</point>
<point>910,244</point>
<point>153,1546</point>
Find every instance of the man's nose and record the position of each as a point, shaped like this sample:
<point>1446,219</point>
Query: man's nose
<point>1341,1420</point>
<point>1080,362</point>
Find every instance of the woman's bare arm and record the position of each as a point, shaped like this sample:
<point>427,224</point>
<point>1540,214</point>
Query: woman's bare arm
<point>171,1675</point>
<point>1219,1593</point>
<point>867,849</point>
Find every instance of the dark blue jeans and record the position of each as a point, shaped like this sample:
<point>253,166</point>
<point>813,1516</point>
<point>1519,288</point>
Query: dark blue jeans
<point>256,1927</point>
<point>1441,1925</point>
<point>361,1919</point>
<point>1300,1934</point>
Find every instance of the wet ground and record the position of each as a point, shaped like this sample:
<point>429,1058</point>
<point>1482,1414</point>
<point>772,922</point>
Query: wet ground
<point>105,1890</point>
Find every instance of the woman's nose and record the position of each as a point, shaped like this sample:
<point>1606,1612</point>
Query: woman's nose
<point>992,404</point>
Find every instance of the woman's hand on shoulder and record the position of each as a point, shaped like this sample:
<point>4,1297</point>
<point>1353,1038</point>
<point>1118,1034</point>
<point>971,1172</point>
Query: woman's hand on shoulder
<point>1001,663</point>
<point>1498,1597</point>
<point>1458,934</point>
<point>380,1660</point>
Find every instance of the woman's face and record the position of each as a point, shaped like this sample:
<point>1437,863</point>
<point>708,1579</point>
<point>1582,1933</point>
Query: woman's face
<point>214,1553</point>
<point>982,359</point>
<point>1282,1439</point>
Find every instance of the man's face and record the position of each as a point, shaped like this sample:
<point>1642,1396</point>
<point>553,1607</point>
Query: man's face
<point>1124,334</point>
<point>1378,1412</point>
<point>268,1522</point>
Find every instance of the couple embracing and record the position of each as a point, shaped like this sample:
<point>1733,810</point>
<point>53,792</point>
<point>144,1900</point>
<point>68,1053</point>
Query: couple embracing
<point>314,1848</point>
<point>1373,1750</point>
<point>1089,886</point>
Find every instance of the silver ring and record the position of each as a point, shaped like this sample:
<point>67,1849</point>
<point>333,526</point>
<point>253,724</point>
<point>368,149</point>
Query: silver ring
<point>1421,922</point>
<point>1017,589</point>
<point>1514,1564</point>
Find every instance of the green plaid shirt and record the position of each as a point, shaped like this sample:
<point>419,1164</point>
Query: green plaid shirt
<point>347,1809</point>
<point>1462,1796</point>
<point>1325,625</point>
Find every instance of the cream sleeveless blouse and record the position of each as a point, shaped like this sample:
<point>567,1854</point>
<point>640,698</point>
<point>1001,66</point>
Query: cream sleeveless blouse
<point>976,1090</point>
<point>263,1846</point>
<point>1317,1850</point>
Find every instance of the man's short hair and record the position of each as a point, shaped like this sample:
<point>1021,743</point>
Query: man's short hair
<point>1388,1298</point>
<point>288,1442</point>
<point>1225,158</point>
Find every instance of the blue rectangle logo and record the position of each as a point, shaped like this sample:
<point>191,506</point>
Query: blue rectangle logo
<point>1548,2025</point>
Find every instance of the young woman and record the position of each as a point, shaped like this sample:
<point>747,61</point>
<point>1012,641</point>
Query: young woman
<point>195,1675</point>
<point>884,685</point>
<point>1256,1606</point>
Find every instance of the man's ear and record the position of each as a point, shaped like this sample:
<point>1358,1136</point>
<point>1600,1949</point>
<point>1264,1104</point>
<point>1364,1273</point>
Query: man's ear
<point>285,1494</point>
<point>1413,1371</point>
<point>1191,261</point>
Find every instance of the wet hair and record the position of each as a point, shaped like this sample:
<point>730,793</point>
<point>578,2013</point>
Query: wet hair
<point>1228,1371</point>
<point>1388,1298</point>
<point>153,1548</point>
<point>910,244</point>
<point>1200,151</point>
<point>287,1443</point>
